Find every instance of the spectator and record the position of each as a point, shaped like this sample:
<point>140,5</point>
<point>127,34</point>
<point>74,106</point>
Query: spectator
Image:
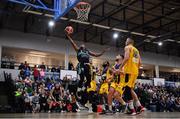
<point>28,107</point>
<point>57,92</point>
<point>43,101</point>
<point>27,72</point>
<point>51,102</point>
<point>41,88</point>
<point>19,104</point>
<point>49,84</point>
<point>70,66</point>
<point>56,96</point>
<point>42,74</point>
<point>22,74</point>
<point>42,66</point>
<point>21,66</point>
<point>53,69</point>
<point>58,69</point>
<point>26,65</point>
<point>177,104</point>
<point>36,73</point>
<point>28,82</point>
<point>35,103</point>
<point>74,103</point>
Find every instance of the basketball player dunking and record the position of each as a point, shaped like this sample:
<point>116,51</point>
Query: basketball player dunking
<point>83,56</point>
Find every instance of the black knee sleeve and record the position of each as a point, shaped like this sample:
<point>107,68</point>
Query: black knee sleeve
<point>127,94</point>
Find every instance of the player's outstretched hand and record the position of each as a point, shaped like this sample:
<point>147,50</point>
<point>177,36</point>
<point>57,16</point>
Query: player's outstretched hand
<point>66,32</point>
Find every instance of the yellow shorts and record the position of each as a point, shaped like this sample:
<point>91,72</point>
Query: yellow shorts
<point>130,80</point>
<point>113,85</point>
<point>91,89</point>
<point>104,88</point>
<point>120,89</point>
<point>120,86</point>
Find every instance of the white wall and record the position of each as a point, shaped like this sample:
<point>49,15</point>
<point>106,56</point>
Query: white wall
<point>161,60</point>
<point>58,45</point>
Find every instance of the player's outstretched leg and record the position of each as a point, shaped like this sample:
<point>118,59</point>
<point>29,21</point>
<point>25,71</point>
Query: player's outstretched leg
<point>139,107</point>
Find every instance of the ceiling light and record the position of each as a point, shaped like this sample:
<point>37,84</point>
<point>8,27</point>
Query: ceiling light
<point>51,23</point>
<point>115,35</point>
<point>160,43</point>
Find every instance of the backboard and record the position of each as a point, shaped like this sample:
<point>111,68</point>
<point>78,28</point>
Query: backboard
<point>57,8</point>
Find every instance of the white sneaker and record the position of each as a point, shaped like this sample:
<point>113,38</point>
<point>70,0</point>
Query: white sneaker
<point>83,88</point>
<point>78,110</point>
<point>133,113</point>
<point>90,110</point>
<point>79,89</point>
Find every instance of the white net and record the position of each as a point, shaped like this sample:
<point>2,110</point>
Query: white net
<point>82,10</point>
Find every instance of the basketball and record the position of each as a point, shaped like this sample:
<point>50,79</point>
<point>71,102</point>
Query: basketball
<point>69,29</point>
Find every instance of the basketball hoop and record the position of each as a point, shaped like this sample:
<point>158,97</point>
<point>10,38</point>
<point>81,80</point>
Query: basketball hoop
<point>82,9</point>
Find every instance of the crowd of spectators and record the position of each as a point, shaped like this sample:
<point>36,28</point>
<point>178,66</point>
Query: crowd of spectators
<point>50,96</point>
<point>171,76</point>
<point>37,93</point>
<point>43,96</point>
<point>38,72</point>
<point>9,63</point>
<point>165,99</point>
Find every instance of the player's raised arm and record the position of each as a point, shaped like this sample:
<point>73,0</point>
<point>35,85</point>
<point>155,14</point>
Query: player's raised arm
<point>98,54</point>
<point>76,48</point>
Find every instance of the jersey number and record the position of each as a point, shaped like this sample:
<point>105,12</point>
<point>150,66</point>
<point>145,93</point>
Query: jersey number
<point>135,56</point>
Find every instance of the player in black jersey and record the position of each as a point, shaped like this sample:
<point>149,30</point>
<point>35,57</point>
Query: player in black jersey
<point>83,56</point>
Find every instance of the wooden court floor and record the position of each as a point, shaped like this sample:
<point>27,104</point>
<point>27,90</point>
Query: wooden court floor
<point>86,115</point>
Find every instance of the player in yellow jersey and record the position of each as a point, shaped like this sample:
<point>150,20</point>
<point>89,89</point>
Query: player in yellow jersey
<point>131,64</point>
<point>104,88</point>
<point>115,90</point>
<point>91,91</point>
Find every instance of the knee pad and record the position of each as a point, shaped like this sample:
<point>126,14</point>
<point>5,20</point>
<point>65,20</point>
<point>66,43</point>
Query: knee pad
<point>127,93</point>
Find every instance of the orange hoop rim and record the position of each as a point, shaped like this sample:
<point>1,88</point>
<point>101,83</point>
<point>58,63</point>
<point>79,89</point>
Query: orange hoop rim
<point>82,3</point>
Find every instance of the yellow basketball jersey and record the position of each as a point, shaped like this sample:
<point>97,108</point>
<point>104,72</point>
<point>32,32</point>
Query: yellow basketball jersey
<point>108,74</point>
<point>132,65</point>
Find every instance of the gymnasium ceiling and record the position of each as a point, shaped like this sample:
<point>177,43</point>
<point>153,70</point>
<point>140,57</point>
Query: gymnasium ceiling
<point>160,18</point>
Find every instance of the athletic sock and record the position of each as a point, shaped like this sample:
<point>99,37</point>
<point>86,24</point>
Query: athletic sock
<point>90,107</point>
<point>104,107</point>
<point>131,106</point>
<point>124,103</point>
<point>138,104</point>
<point>110,107</point>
